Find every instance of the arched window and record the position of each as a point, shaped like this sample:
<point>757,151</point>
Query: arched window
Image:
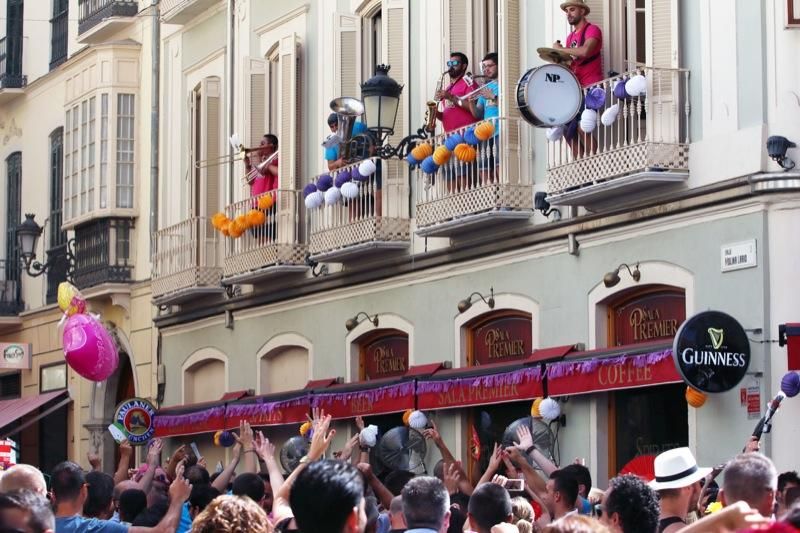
<point>645,315</point>
<point>383,353</point>
<point>284,369</point>
<point>204,381</point>
<point>499,337</point>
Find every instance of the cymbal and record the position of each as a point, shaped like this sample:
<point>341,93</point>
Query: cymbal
<point>554,55</point>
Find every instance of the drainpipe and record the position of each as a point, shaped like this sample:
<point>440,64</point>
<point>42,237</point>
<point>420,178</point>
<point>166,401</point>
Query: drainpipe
<point>154,118</point>
<point>231,86</point>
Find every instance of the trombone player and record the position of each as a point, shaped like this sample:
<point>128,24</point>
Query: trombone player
<point>266,179</point>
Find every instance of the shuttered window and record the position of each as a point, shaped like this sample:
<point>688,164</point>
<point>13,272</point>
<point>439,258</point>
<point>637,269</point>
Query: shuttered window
<point>206,139</point>
<point>290,90</point>
<point>255,107</point>
<point>395,52</point>
<point>347,56</point>
<point>471,27</point>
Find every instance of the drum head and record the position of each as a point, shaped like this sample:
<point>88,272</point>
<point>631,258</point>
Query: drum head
<point>549,96</point>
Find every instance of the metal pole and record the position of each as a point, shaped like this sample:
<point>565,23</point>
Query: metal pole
<point>154,118</point>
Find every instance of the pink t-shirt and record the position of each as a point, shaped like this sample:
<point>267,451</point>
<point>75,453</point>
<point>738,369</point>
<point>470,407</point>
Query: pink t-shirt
<point>454,117</point>
<point>588,70</point>
<point>262,184</point>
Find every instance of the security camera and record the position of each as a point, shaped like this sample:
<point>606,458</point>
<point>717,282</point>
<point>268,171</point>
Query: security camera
<point>776,149</point>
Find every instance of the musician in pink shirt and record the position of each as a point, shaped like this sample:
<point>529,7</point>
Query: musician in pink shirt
<point>456,113</point>
<point>261,183</point>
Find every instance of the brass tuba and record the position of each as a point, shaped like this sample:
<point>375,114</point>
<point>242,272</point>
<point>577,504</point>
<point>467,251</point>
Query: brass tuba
<point>433,106</point>
<point>347,110</point>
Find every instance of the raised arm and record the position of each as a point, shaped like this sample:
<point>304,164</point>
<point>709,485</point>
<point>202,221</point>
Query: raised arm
<point>177,457</point>
<point>380,490</point>
<point>153,461</point>
<point>266,450</point>
<point>494,464</point>
<point>532,478</point>
<point>125,454</point>
<point>245,438</point>
<point>224,478</point>
<point>525,445</point>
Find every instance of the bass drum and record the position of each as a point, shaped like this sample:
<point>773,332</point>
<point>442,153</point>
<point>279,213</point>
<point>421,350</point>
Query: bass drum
<point>549,96</point>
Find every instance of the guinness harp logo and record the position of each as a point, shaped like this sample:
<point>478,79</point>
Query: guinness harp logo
<point>717,336</point>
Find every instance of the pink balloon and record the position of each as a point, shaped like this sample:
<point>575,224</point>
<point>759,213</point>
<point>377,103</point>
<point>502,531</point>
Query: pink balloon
<point>89,348</point>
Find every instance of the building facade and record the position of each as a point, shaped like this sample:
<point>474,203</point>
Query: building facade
<point>76,150</point>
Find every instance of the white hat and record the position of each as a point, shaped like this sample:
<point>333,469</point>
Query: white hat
<point>675,469</point>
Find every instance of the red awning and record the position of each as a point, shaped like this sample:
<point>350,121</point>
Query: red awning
<point>365,398</point>
<point>13,410</point>
<point>322,383</point>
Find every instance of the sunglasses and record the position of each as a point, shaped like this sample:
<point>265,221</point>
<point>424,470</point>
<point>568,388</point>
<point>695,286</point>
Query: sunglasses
<point>453,63</point>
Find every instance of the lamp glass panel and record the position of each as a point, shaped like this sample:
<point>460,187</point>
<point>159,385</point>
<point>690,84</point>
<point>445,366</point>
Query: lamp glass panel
<point>27,243</point>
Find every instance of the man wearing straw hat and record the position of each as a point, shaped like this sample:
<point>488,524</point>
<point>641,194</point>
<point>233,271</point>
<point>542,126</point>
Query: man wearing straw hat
<point>584,43</point>
<point>678,485</point>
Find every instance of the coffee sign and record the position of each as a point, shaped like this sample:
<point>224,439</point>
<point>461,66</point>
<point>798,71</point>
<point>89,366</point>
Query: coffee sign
<point>711,351</point>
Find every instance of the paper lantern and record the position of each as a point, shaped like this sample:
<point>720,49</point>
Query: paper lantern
<point>349,190</point>
<point>242,221</point>
<point>418,420</point>
<point>305,427</point>
<point>695,398</point>
<point>358,176</point>
<point>236,228</point>
<point>407,415</point>
<point>70,299</point>
<point>369,436</point>
<point>332,196</point>
<point>422,150</point>
<point>595,98</point>
<point>465,153</point>
<point>535,408</point>
<point>255,217</point>
<point>324,182</point>
<point>790,384</point>
<point>308,189</point>
<point>554,134</point>
<point>636,86</point>
<point>429,166</point>
<point>314,200</point>
<point>619,89</point>
<point>266,201</point>
<point>610,115</point>
<point>367,168</point>
<point>470,138</point>
<point>549,409</point>
<point>216,220</point>
<point>341,179</point>
<point>588,120</point>
<point>441,155</point>
<point>413,161</point>
<point>216,438</point>
<point>227,439</point>
<point>225,227</point>
<point>89,348</point>
<point>453,141</point>
<point>484,130</point>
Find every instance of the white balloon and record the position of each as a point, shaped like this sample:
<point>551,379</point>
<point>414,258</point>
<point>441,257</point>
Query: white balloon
<point>314,200</point>
<point>636,86</point>
<point>549,409</point>
<point>417,420</point>
<point>554,134</point>
<point>588,124</point>
<point>350,190</point>
<point>589,114</point>
<point>367,168</point>
<point>610,115</point>
<point>369,435</point>
<point>332,196</point>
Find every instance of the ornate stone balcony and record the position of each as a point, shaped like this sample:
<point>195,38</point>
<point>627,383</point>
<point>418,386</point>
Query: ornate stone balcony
<point>645,151</point>
<point>464,196</point>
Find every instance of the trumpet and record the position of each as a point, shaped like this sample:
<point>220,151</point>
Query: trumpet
<point>433,106</point>
<point>488,83</point>
<point>259,169</point>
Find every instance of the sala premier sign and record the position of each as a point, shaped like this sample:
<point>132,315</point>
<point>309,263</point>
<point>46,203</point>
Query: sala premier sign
<point>711,351</point>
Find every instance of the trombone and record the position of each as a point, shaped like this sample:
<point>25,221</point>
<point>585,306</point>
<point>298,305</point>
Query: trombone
<point>239,152</point>
<point>258,170</point>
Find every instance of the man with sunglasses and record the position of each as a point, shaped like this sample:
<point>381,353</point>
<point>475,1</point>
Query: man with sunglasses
<point>456,113</point>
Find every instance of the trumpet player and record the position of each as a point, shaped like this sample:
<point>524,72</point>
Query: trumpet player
<point>456,112</point>
<point>261,183</point>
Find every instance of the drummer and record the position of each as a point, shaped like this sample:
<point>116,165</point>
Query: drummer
<point>584,43</point>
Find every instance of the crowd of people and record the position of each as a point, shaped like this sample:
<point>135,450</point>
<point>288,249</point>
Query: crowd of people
<point>521,490</point>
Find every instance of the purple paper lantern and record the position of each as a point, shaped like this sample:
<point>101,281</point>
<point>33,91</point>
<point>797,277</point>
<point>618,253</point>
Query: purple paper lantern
<point>429,166</point>
<point>469,137</point>
<point>453,141</point>
<point>342,178</point>
<point>595,98</point>
<point>324,182</point>
<point>308,189</point>
<point>412,160</point>
<point>790,384</point>
<point>619,89</point>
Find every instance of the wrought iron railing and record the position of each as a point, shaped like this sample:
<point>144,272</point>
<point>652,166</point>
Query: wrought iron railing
<point>186,255</point>
<point>10,290</point>
<point>474,178</point>
<point>273,236</point>
<point>103,252</point>
<point>650,131</point>
<point>362,211</point>
<point>58,38</point>
<point>11,64</point>
<point>92,12</point>
<point>57,258</point>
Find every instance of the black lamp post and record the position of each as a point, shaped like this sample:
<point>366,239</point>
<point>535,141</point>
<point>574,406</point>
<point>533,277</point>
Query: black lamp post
<point>28,234</point>
<point>381,96</point>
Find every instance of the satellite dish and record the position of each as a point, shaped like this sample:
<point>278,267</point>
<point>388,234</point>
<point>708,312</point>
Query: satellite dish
<point>402,448</point>
<point>292,451</point>
<point>543,437</point>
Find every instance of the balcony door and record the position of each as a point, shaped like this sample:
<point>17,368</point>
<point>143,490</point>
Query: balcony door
<point>13,219</point>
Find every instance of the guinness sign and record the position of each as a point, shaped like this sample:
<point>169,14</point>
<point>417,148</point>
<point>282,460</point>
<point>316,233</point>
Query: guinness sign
<point>711,351</point>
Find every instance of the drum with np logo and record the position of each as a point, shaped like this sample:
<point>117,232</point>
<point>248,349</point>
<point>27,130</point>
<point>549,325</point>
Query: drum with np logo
<point>549,96</point>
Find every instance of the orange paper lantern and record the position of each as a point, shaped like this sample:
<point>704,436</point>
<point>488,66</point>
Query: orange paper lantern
<point>484,130</point>
<point>217,220</point>
<point>255,217</point>
<point>465,153</point>
<point>236,228</point>
<point>265,202</point>
<point>421,151</point>
<point>242,221</point>
<point>695,398</point>
<point>225,227</point>
<point>407,415</point>
<point>441,155</point>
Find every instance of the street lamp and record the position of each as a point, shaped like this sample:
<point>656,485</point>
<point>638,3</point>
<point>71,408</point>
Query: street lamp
<point>381,96</point>
<point>28,234</point>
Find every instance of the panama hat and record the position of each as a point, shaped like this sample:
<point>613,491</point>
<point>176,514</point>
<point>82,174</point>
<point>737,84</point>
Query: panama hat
<point>576,3</point>
<point>675,469</point>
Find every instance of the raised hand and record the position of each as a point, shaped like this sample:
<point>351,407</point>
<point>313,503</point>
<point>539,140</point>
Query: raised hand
<point>432,432</point>
<point>753,445</point>
<point>360,423</point>
<point>525,438</point>
<point>245,435</point>
<point>452,476</point>
<point>496,458</point>
<point>154,452</point>
<point>94,460</point>
<point>322,437</point>
<point>179,490</point>
<point>366,469</point>
<point>264,448</point>
<point>126,449</point>
<point>180,469</point>
<point>497,479</point>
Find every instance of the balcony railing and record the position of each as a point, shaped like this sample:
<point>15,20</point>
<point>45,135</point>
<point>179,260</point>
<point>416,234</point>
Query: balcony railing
<point>375,219</point>
<point>186,261</point>
<point>11,66</point>
<point>490,189</point>
<point>270,248</point>
<point>57,257</point>
<point>646,146</point>
<point>103,252</point>
<point>10,294</point>
<point>58,38</point>
<point>92,12</point>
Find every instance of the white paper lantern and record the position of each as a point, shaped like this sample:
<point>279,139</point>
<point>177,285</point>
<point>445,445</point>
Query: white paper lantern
<point>369,436</point>
<point>610,115</point>
<point>554,134</point>
<point>350,190</point>
<point>367,168</point>
<point>314,200</point>
<point>636,86</point>
<point>332,196</point>
<point>549,409</point>
<point>417,420</point>
<point>588,120</point>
